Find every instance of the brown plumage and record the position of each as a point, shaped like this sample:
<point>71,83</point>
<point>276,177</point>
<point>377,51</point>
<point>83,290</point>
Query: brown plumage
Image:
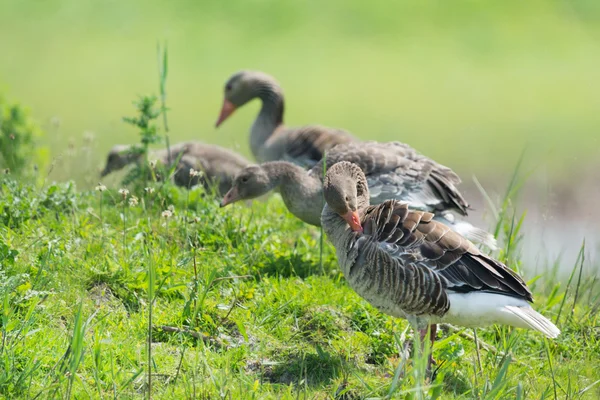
<point>270,140</point>
<point>409,265</point>
<point>393,171</point>
<point>217,165</point>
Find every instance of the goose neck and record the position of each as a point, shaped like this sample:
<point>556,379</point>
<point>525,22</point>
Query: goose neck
<point>270,116</point>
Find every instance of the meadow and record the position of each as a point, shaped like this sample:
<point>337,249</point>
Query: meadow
<point>240,303</point>
<point>157,292</point>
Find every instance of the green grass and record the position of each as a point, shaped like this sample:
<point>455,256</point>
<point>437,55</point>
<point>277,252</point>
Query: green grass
<point>466,82</point>
<point>240,309</point>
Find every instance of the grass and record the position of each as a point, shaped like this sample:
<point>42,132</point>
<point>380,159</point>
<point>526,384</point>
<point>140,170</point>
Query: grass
<point>103,299</point>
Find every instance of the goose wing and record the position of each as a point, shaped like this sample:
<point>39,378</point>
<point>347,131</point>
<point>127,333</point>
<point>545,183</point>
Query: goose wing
<point>395,170</point>
<point>413,238</point>
<point>306,145</point>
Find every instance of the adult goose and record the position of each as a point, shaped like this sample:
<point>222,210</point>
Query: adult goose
<point>218,166</point>
<point>410,266</point>
<point>270,140</point>
<point>393,171</point>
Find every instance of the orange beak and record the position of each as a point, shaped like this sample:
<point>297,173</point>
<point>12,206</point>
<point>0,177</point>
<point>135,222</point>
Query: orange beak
<point>230,197</point>
<point>227,109</point>
<point>353,220</point>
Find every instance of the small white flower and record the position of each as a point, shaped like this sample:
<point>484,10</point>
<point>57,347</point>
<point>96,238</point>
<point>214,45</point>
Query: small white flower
<point>153,163</point>
<point>124,192</point>
<point>133,201</point>
<point>90,210</point>
<point>88,136</point>
<point>196,219</point>
<point>100,187</point>
<point>171,208</point>
<point>167,214</point>
<point>194,173</point>
<point>149,190</point>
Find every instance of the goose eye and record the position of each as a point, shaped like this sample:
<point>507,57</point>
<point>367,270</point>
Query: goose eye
<point>244,179</point>
<point>228,87</point>
<point>347,198</point>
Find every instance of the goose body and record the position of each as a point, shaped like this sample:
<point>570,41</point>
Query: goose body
<point>270,140</point>
<point>411,266</point>
<point>393,171</point>
<point>216,164</point>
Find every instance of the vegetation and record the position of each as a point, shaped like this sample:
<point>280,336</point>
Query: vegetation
<point>19,137</point>
<point>239,308</point>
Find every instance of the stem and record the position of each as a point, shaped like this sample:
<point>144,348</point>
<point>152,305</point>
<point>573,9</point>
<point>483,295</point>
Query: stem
<point>478,363</point>
<point>321,236</point>
<point>578,280</point>
<point>185,215</point>
<point>101,220</point>
<point>150,306</point>
<point>551,367</point>
<point>163,63</point>
<point>124,228</point>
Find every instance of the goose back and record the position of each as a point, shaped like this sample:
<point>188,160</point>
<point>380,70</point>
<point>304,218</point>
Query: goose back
<point>395,170</point>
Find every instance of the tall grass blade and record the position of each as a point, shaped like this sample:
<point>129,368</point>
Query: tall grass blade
<point>163,70</point>
<point>577,261</point>
<point>501,381</point>
<point>321,234</point>
<point>151,287</point>
<point>576,297</point>
<point>547,346</point>
<point>512,188</point>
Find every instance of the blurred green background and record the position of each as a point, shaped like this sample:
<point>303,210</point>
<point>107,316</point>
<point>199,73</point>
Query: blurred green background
<point>469,83</point>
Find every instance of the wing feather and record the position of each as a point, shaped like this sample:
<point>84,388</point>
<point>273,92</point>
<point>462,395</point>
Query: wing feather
<point>415,240</point>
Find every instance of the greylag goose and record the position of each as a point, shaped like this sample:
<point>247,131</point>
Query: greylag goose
<point>270,140</point>
<point>394,171</point>
<point>217,164</point>
<point>410,266</point>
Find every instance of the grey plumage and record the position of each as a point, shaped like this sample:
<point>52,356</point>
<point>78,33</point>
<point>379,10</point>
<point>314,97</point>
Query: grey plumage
<point>270,140</point>
<point>410,266</point>
<point>217,164</point>
<point>393,171</point>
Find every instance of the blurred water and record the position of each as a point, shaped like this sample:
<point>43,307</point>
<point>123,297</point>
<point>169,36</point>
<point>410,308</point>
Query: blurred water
<point>559,217</point>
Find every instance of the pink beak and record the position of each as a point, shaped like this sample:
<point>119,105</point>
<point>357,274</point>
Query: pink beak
<point>353,220</point>
<point>230,197</point>
<point>227,109</point>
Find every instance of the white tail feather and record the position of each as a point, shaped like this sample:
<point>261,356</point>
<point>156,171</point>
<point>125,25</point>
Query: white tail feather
<point>534,320</point>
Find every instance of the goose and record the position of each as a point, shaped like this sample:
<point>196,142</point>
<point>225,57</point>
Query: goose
<point>410,266</point>
<point>270,140</point>
<point>217,164</point>
<point>394,170</point>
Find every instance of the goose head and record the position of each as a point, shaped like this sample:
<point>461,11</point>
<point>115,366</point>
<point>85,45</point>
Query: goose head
<point>251,182</point>
<point>118,157</point>
<point>242,87</point>
<point>346,192</point>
